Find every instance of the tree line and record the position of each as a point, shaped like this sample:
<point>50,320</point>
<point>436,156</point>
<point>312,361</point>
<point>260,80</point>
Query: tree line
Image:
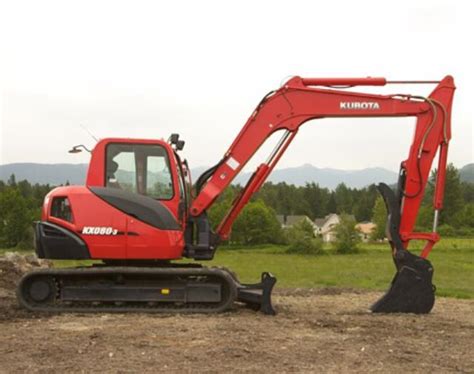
<point>365,204</point>
<point>20,206</point>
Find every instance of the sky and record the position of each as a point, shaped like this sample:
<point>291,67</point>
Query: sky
<point>146,69</point>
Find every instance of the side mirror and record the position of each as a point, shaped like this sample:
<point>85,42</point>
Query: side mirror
<point>173,139</point>
<point>179,145</point>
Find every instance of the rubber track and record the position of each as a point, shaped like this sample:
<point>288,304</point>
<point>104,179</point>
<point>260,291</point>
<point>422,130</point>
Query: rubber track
<point>229,293</point>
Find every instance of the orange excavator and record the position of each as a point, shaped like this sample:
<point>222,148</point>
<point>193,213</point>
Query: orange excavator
<point>139,211</point>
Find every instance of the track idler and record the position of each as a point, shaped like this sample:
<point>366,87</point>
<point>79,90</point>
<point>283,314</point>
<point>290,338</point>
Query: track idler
<point>412,290</point>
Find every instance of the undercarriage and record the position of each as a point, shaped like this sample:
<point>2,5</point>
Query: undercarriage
<point>183,289</point>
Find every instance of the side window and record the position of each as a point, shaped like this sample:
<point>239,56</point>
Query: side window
<point>139,168</point>
<point>159,183</point>
<point>60,208</point>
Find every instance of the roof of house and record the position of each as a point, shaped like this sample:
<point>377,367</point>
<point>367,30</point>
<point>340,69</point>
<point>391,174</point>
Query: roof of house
<point>290,220</point>
<point>319,222</point>
<point>366,227</point>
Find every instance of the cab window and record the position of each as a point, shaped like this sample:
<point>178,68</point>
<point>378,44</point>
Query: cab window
<point>139,168</point>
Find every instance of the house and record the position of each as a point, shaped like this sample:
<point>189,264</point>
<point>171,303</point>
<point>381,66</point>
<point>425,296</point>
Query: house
<point>325,227</point>
<point>365,229</point>
<point>289,220</point>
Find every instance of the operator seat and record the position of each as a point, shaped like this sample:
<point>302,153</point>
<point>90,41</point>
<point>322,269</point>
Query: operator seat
<point>112,168</point>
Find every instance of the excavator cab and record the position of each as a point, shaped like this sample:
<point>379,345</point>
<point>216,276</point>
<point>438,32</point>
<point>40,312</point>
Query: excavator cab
<point>150,168</point>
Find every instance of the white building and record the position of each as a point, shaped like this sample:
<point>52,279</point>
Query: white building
<point>325,227</point>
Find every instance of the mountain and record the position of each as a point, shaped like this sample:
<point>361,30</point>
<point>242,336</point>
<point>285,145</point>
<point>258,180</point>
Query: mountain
<point>53,174</point>
<point>328,178</point>
<point>466,173</point>
<point>56,174</point>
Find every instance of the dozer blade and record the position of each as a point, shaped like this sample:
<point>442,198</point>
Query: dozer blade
<point>258,296</point>
<point>412,290</point>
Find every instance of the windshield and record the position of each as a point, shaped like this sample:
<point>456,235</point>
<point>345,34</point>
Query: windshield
<point>139,168</point>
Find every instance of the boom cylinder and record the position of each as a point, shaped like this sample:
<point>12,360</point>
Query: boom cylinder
<point>441,177</point>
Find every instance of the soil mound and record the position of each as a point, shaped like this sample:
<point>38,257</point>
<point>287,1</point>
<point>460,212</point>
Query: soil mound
<point>12,267</point>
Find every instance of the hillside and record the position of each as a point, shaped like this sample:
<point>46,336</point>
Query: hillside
<point>329,178</point>
<point>56,174</point>
<point>467,173</point>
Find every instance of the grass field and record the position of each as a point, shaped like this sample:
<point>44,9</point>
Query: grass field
<point>371,268</point>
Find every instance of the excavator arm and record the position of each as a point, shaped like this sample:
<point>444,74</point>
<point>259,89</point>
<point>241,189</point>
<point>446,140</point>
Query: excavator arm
<point>303,99</point>
<point>299,101</point>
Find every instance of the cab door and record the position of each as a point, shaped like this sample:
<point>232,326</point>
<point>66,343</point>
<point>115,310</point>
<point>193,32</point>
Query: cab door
<point>148,170</point>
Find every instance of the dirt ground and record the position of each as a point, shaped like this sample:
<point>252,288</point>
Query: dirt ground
<point>323,330</point>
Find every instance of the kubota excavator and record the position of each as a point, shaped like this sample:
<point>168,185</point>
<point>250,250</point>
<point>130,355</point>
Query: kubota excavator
<point>139,211</point>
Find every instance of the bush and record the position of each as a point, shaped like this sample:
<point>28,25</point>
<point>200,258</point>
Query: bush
<point>446,230</point>
<point>306,246</point>
<point>28,241</point>
<point>347,236</point>
<point>465,216</point>
<point>465,232</point>
<point>302,239</point>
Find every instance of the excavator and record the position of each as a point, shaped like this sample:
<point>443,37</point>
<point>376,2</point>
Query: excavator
<point>139,210</point>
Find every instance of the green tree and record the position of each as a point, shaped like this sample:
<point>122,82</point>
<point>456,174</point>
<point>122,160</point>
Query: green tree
<point>220,208</point>
<point>269,194</point>
<point>453,200</point>
<point>302,240</point>
<point>12,181</point>
<point>465,217</point>
<point>446,230</point>
<point>25,189</point>
<point>14,218</point>
<point>453,194</point>
<point>256,224</point>
<point>347,236</point>
<point>424,221</point>
<point>316,200</point>
<point>332,204</point>
<point>363,207</point>
<point>343,199</point>
<point>379,217</point>
<point>467,192</point>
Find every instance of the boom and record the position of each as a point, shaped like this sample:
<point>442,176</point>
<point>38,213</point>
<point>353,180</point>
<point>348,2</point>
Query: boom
<point>300,100</point>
